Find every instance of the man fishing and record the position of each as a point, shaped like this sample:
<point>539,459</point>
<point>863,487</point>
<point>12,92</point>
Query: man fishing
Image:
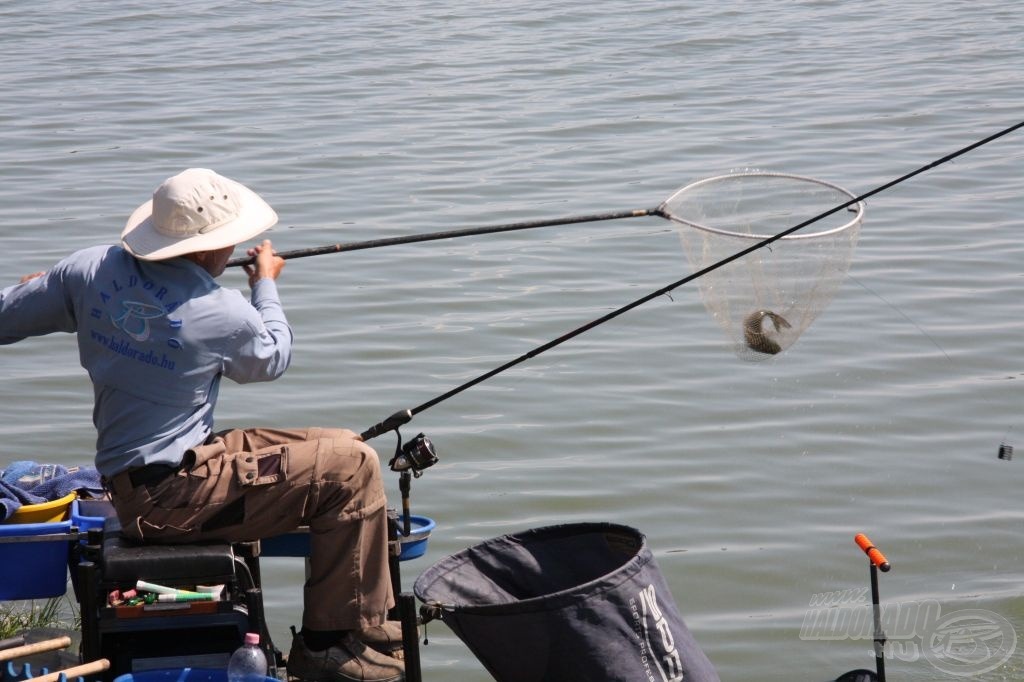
<point>156,334</point>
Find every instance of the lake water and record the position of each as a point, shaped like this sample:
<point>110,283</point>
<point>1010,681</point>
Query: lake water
<point>363,120</point>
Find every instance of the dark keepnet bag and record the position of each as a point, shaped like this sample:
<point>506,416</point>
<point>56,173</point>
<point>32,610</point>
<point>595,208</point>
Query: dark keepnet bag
<point>571,602</point>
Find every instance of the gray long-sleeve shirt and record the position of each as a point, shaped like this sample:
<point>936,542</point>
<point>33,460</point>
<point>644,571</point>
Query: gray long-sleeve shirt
<point>155,337</point>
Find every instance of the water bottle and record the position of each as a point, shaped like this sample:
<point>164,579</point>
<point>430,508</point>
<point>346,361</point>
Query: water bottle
<point>248,664</point>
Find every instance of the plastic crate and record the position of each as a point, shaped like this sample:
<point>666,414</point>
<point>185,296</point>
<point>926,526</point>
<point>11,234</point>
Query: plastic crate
<point>34,557</point>
<point>87,515</point>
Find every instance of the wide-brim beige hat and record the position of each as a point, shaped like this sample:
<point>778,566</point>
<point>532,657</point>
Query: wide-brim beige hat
<point>196,210</point>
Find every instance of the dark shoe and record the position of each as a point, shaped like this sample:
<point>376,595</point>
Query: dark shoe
<point>348,661</point>
<point>385,638</point>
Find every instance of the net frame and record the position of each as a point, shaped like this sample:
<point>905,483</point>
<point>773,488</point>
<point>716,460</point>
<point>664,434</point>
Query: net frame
<point>766,299</point>
<point>854,222</point>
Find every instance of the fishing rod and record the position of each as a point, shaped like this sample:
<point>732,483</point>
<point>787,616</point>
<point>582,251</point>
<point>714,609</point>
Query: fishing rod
<point>420,453</point>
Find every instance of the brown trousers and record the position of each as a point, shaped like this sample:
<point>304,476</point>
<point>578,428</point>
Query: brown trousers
<point>257,483</point>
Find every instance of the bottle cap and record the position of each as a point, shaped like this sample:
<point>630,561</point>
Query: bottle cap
<point>252,638</point>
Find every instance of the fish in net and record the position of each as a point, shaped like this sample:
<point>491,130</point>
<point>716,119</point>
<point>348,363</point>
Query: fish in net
<point>766,299</point>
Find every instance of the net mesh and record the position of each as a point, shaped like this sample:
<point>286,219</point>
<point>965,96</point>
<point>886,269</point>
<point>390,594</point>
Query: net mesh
<point>765,300</point>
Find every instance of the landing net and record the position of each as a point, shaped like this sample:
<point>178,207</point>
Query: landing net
<point>765,300</point>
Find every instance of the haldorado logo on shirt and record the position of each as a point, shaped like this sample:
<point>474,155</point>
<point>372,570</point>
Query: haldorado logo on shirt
<point>136,319</point>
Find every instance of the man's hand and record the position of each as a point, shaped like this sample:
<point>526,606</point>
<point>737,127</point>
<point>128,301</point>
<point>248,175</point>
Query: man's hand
<point>268,263</point>
<point>26,278</point>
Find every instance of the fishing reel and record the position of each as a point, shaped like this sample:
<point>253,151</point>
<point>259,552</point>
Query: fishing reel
<point>415,456</point>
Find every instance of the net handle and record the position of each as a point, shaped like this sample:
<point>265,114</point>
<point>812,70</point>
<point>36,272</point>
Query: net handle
<point>663,210</point>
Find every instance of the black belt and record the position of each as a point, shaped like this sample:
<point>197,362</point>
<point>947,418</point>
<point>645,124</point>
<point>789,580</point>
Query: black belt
<point>151,474</point>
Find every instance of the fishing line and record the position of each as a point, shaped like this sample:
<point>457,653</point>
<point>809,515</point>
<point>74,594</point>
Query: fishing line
<point>401,417</point>
<point>902,314</point>
<point>1005,450</point>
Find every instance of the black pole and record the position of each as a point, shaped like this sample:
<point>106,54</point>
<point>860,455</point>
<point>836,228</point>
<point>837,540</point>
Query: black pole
<point>404,485</point>
<point>451,234</point>
<point>879,634</point>
<point>410,636</point>
<point>407,415</point>
<point>394,568</point>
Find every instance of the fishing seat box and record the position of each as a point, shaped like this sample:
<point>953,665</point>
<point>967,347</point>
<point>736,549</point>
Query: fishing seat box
<point>143,637</point>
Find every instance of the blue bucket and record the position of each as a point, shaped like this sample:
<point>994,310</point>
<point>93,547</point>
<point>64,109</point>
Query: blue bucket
<point>180,675</point>
<point>34,568</point>
<point>419,531</point>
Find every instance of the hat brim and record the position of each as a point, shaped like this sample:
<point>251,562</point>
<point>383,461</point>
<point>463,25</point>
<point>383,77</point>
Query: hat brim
<point>141,239</point>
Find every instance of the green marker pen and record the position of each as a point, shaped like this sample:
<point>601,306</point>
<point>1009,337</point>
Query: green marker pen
<point>185,596</point>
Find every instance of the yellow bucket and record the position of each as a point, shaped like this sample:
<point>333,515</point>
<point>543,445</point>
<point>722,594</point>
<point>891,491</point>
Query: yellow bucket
<point>45,512</point>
